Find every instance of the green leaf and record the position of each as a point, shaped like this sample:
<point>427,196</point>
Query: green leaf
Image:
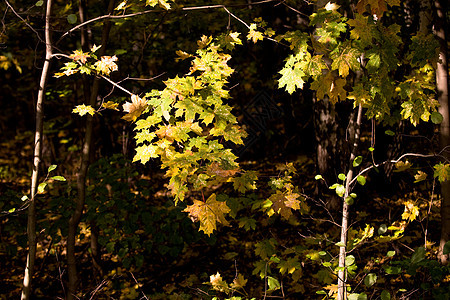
<point>341,176</point>
<point>392,270</point>
<point>361,180</point>
<point>357,161</point>
<point>12,210</point>
<point>273,283</point>
<point>292,78</point>
<point>334,186</point>
<point>371,149</point>
<point>326,264</point>
<point>51,168</point>
<point>24,198</point>
<point>418,255</point>
<point>442,171</point>
<point>390,253</point>
<point>58,178</point>
<point>72,18</point>
<point>110,247</point>
<point>318,177</point>
<point>446,249</point>
<point>349,200</point>
<point>436,117</point>
<point>340,190</point>
<point>340,244</point>
<point>355,296</point>
<point>370,279</point>
<point>41,187</point>
<point>349,260</point>
<point>385,295</point>
<point>39,3</point>
<point>389,132</point>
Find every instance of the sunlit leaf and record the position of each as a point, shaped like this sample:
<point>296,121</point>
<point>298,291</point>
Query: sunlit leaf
<point>208,213</point>
<point>134,108</point>
<point>84,109</point>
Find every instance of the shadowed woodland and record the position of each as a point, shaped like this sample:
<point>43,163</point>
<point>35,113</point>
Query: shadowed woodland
<point>172,149</point>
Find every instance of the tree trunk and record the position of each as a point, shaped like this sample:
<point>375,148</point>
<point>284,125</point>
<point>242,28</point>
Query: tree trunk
<point>326,127</point>
<point>31,226</point>
<point>342,274</point>
<point>442,90</point>
<point>81,176</point>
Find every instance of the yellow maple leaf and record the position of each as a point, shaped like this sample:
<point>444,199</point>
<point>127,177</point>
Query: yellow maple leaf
<point>79,55</point>
<point>145,152</point>
<point>239,282</point>
<point>217,283</point>
<point>208,213</point>
<point>84,109</point>
<point>134,108</point>
<point>254,35</point>
<point>110,105</point>
<point>411,211</point>
<point>106,65</point>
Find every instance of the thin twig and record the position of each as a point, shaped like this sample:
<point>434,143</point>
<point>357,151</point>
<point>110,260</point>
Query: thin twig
<point>138,285</point>
<point>23,20</point>
<point>109,16</point>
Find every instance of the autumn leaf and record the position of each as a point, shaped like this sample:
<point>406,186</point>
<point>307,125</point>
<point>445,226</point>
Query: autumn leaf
<point>110,105</point>
<point>402,166</point>
<point>361,29</point>
<point>280,206</point>
<point>245,182</point>
<point>208,213</point>
<point>84,109</point>
<point>442,172</point>
<point>254,35</point>
<point>144,136</point>
<point>79,55</point>
<point>215,169</point>
<point>134,108</point>
<point>182,55</point>
<point>217,283</point>
<point>420,176</point>
<point>204,41</point>
<point>145,152</point>
<point>162,3</point>
<point>106,65</point>
<point>292,78</point>
<point>239,282</point>
<point>345,59</point>
<point>337,90</point>
<point>411,211</point>
<point>229,40</point>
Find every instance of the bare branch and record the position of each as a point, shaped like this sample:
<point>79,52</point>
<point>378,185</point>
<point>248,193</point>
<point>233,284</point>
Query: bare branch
<point>109,16</point>
<point>23,20</point>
